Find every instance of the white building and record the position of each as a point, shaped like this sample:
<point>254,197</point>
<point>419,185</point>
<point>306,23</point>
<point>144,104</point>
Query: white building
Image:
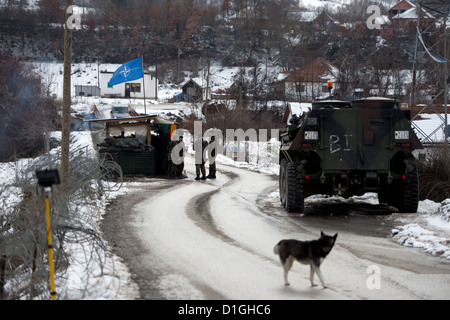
<point>308,83</point>
<point>131,89</point>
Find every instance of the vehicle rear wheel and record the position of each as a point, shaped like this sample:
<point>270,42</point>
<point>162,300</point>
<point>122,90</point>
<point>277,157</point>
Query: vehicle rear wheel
<point>409,196</point>
<point>282,181</point>
<point>294,201</point>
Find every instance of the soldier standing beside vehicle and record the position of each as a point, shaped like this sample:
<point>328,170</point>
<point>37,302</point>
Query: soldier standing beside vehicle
<point>212,158</point>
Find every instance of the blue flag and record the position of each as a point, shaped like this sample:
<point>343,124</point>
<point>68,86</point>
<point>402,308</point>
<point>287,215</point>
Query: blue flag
<point>127,72</point>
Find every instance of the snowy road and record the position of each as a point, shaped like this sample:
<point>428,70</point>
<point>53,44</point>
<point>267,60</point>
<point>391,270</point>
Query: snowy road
<point>214,239</point>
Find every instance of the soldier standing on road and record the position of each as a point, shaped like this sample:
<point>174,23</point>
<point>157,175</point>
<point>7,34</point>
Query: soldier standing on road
<point>176,166</point>
<point>212,158</point>
<point>200,164</point>
<point>171,167</point>
<point>180,167</point>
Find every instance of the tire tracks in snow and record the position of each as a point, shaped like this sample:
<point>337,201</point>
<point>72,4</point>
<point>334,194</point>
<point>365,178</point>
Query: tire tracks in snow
<point>199,210</point>
<point>213,240</point>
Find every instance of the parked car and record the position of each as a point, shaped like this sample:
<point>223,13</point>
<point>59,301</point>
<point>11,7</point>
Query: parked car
<point>119,112</point>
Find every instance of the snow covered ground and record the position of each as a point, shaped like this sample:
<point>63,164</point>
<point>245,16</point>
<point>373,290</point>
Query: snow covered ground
<point>109,278</point>
<point>429,229</point>
<point>91,274</point>
<point>215,242</point>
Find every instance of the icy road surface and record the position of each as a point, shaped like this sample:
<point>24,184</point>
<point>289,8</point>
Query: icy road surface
<point>214,239</point>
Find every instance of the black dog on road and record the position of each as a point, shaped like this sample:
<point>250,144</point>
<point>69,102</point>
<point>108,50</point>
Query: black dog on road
<point>306,252</point>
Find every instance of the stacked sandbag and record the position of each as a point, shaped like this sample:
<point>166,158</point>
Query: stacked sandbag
<point>129,144</point>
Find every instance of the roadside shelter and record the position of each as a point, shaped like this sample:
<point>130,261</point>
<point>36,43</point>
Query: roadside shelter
<point>137,144</point>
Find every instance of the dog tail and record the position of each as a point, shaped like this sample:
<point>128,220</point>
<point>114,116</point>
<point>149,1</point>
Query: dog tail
<point>276,249</point>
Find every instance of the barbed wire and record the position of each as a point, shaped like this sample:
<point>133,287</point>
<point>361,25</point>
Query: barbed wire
<point>24,272</point>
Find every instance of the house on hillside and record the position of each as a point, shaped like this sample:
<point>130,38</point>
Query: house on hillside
<point>308,83</point>
<point>87,91</point>
<point>195,90</point>
<point>131,89</point>
<point>323,20</point>
<point>405,12</point>
<point>400,7</point>
<point>319,20</point>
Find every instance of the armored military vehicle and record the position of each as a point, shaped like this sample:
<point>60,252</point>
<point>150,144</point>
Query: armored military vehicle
<point>350,148</point>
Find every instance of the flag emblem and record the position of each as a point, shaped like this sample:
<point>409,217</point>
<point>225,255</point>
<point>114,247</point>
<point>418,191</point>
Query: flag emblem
<point>129,71</point>
<point>125,72</point>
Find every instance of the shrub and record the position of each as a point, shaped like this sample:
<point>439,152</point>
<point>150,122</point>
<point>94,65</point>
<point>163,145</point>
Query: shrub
<point>434,175</point>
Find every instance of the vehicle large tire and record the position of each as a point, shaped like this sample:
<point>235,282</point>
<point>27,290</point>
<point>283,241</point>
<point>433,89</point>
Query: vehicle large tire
<point>294,189</point>
<point>409,196</point>
<point>283,182</point>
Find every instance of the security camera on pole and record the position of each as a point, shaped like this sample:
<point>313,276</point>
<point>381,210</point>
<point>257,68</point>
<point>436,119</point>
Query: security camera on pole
<point>46,179</point>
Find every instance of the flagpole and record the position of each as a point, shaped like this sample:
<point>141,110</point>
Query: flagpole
<point>143,82</point>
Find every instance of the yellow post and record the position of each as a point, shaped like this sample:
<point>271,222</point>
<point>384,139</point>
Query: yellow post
<point>50,250</point>
<point>46,178</point>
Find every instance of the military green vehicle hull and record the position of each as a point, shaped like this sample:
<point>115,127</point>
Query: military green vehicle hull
<point>350,148</point>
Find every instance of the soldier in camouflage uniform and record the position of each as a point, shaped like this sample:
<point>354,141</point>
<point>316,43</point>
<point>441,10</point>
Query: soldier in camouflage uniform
<point>175,171</point>
<point>171,167</point>
<point>180,166</point>
<point>200,167</point>
<point>212,158</point>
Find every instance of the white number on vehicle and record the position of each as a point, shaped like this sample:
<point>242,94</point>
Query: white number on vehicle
<point>311,135</point>
<point>402,135</point>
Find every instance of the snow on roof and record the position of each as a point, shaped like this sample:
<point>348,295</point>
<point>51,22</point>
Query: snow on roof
<point>382,20</point>
<point>308,16</point>
<point>412,14</point>
<point>401,4</point>
<point>319,70</point>
<point>282,75</point>
<point>408,14</point>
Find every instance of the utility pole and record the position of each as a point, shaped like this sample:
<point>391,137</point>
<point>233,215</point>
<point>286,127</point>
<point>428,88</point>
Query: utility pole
<point>65,137</point>
<point>446,127</point>
<point>240,101</point>
<point>178,64</point>
<point>2,260</point>
<point>425,63</point>
<point>156,76</point>
<point>207,92</point>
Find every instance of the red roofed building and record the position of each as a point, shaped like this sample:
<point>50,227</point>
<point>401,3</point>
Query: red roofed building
<point>307,83</point>
<point>406,12</point>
